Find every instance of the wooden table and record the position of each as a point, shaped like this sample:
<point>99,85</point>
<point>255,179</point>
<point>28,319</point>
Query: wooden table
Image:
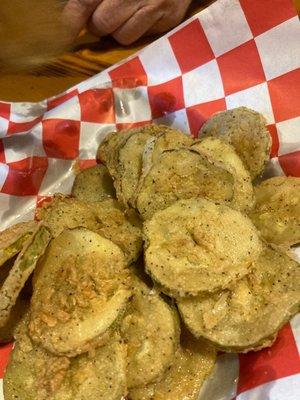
<point>89,57</point>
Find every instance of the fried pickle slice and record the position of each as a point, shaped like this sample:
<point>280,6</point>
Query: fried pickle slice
<point>194,361</point>
<point>151,332</point>
<point>217,149</point>
<point>112,157</point>
<point>124,230</point>
<point>107,218</point>
<point>100,376</point>
<point>182,174</point>
<point>246,131</point>
<point>169,139</point>
<point>13,239</point>
<point>93,184</point>
<point>195,246</point>
<point>130,160</point>
<point>33,373</point>
<point>108,153</point>
<point>21,270</point>
<point>248,315</point>
<point>80,291</point>
<point>277,210</point>
<point>106,146</point>
<point>66,213</point>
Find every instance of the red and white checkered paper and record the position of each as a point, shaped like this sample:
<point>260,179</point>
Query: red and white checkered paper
<point>234,53</point>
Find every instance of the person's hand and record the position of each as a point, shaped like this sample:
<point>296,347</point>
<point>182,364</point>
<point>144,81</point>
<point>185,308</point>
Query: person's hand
<point>125,20</point>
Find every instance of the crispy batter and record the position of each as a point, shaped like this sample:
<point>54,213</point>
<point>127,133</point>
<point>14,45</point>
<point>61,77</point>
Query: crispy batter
<point>248,315</point>
<point>151,331</point>
<point>13,239</point>
<point>219,150</point>
<point>277,210</point>
<point>106,145</point>
<point>21,270</point>
<point>99,376</point>
<point>130,160</point>
<point>35,374</point>
<point>107,218</point>
<point>168,139</point>
<point>196,245</point>
<point>246,131</point>
<point>123,230</point>
<point>182,174</point>
<point>93,184</point>
<point>193,362</point>
<point>66,212</point>
<point>80,289</point>
<point>108,153</point>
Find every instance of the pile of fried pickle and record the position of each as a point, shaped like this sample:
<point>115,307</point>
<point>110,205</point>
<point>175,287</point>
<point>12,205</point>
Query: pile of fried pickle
<point>167,251</point>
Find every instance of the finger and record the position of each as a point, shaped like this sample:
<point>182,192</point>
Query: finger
<point>111,14</point>
<point>76,13</point>
<point>137,25</point>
